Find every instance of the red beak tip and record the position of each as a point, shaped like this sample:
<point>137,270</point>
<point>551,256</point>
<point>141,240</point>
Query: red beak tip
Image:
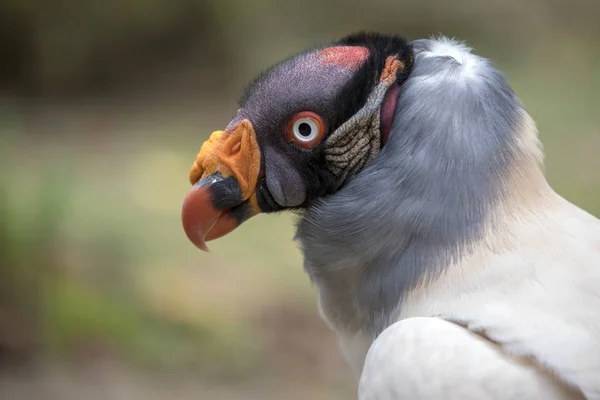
<point>204,247</point>
<point>197,240</point>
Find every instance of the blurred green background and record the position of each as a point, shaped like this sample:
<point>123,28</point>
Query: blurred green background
<point>103,106</point>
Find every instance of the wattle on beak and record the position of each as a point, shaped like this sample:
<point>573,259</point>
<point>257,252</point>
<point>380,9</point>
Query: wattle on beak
<point>224,178</point>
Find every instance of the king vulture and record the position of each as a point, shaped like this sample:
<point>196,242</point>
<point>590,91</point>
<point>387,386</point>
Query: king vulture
<point>444,261</point>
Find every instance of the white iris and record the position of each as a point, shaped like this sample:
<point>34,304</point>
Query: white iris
<point>305,129</point>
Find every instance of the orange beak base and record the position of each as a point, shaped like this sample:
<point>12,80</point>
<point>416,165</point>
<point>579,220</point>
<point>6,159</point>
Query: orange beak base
<point>224,178</point>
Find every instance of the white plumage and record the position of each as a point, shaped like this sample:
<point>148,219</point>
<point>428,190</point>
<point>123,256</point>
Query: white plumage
<point>429,358</point>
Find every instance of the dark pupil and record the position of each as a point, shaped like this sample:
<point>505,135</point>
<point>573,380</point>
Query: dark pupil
<point>304,129</point>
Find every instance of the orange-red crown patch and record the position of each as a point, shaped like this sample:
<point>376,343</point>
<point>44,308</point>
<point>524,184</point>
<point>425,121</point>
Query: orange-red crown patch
<point>350,57</point>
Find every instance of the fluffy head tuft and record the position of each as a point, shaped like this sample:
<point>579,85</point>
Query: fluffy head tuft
<point>466,64</point>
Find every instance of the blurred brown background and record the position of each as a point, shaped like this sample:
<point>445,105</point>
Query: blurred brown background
<point>103,106</point>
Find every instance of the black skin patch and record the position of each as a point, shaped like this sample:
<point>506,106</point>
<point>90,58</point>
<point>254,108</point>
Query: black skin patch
<point>241,213</point>
<point>265,201</point>
<point>225,193</point>
<point>350,98</point>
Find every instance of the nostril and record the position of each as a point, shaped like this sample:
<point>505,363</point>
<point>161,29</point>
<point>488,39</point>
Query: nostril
<point>236,148</point>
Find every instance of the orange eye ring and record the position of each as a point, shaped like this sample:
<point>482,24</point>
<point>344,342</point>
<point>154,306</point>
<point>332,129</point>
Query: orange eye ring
<point>306,129</point>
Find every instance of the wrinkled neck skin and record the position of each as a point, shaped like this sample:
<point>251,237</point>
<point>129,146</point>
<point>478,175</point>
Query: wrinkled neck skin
<point>462,160</point>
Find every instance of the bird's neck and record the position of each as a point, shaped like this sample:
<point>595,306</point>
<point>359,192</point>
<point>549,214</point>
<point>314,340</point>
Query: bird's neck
<point>367,253</point>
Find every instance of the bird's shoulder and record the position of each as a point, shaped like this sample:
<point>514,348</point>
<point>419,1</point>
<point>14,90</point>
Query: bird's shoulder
<point>430,358</point>
<point>538,299</point>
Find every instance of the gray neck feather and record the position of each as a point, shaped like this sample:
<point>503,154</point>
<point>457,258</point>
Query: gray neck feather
<point>425,200</point>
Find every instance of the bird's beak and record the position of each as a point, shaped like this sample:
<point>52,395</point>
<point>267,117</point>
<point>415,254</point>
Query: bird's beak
<point>224,178</point>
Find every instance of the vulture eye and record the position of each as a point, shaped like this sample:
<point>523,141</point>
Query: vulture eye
<point>306,129</point>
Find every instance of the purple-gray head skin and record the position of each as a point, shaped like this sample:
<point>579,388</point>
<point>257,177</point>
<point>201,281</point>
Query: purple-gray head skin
<point>305,127</point>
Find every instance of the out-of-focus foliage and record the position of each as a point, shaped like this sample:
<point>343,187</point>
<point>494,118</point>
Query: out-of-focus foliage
<point>65,45</point>
<point>103,106</point>
<point>48,45</point>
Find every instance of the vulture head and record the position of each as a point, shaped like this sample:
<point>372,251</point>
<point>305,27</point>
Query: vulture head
<point>304,128</point>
